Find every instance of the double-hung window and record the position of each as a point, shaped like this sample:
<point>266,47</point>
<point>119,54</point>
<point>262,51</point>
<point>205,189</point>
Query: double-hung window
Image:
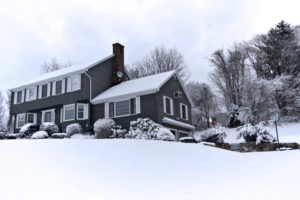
<point>31,94</point>
<point>184,111</point>
<point>168,105</point>
<point>20,120</point>
<point>44,90</point>
<point>58,87</point>
<point>74,83</point>
<point>69,112</point>
<point>31,117</point>
<point>82,111</point>
<point>19,97</point>
<point>48,115</point>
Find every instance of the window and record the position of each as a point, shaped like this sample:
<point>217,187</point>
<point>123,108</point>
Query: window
<point>82,111</point>
<point>168,105</point>
<point>74,83</point>
<point>183,111</point>
<point>69,112</point>
<point>122,108</point>
<point>48,115</point>
<point>31,94</point>
<point>58,87</point>
<point>19,97</point>
<point>31,118</point>
<point>111,109</point>
<point>20,120</point>
<point>44,90</point>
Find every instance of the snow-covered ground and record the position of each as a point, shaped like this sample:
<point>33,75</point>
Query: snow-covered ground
<point>141,169</point>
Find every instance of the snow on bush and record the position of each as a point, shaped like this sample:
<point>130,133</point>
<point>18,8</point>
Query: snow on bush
<point>25,128</point>
<point>81,136</point>
<point>59,135</point>
<point>118,132</point>
<point>73,129</point>
<point>103,128</point>
<point>40,135</point>
<point>258,133</point>
<point>49,127</point>
<point>215,134</point>
<point>145,128</point>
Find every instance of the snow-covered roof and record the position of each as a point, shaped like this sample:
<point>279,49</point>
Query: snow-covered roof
<point>62,73</point>
<point>136,87</point>
<point>174,122</point>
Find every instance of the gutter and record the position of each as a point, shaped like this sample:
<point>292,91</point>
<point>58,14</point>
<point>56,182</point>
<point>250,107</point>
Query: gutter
<point>90,78</point>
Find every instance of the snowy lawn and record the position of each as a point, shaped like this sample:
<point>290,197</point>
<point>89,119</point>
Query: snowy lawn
<point>140,169</point>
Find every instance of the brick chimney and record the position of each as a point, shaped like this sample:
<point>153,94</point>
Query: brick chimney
<point>118,70</point>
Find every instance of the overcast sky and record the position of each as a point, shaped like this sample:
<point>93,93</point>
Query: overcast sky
<point>32,32</point>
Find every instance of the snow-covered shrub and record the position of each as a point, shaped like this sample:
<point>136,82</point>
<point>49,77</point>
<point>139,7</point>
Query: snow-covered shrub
<point>2,135</point>
<point>258,133</point>
<point>118,132</point>
<point>14,136</point>
<point>59,135</point>
<point>215,134</point>
<point>248,132</point>
<point>234,119</point>
<point>49,127</point>
<point>29,129</point>
<point>103,128</point>
<point>187,140</point>
<point>82,136</point>
<point>40,135</point>
<point>73,129</point>
<point>145,128</point>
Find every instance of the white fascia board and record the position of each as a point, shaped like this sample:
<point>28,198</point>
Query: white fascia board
<point>121,97</point>
<point>59,77</point>
<point>174,122</point>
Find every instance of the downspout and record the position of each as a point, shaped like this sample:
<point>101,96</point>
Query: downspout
<point>90,84</point>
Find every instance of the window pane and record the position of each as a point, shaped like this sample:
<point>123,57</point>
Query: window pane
<point>31,93</point>
<point>122,108</point>
<point>30,118</point>
<point>19,97</point>
<point>168,106</point>
<point>70,112</point>
<point>47,117</point>
<point>80,112</point>
<point>111,109</point>
<point>183,111</point>
<point>44,90</point>
<point>58,89</point>
<point>75,83</point>
<point>132,106</point>
<point>21,120</point>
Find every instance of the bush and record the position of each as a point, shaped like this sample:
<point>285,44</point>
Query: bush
<point>40,135</point>
<point>145,128</point>
<point>49,127</point>
<point>187,140</point>
<point>258,133</point>
<point>118,132</point>
<point>73,129</point>
<point>215,135</point>
<point>59,135</point>
<point>103,128</point>
<point>29,129</point>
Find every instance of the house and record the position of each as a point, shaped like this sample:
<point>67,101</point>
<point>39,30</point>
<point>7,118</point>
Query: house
<point>103,89</point>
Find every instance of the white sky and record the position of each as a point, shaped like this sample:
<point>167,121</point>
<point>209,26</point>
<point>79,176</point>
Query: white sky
<point>32,32</point>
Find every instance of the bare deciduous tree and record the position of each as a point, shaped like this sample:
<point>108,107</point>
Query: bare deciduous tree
<point>160,60</point>
<point>2,113</point>
<point>53,65</point>
<point>203,99</point>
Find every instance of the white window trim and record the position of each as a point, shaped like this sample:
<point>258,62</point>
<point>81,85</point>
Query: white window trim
<point>186,111</point>
<point>85,111</point>
<point>17,122</point>
<point>63,82</point>
<point>48,90</point>
<point>137,107</point>
<point>27,94</point>
<point>34,117</point>
<point>171,105</point>
<point>64,113</point>
<point>69,83</point>
<point>52,115</point>
<point>16,97</point>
